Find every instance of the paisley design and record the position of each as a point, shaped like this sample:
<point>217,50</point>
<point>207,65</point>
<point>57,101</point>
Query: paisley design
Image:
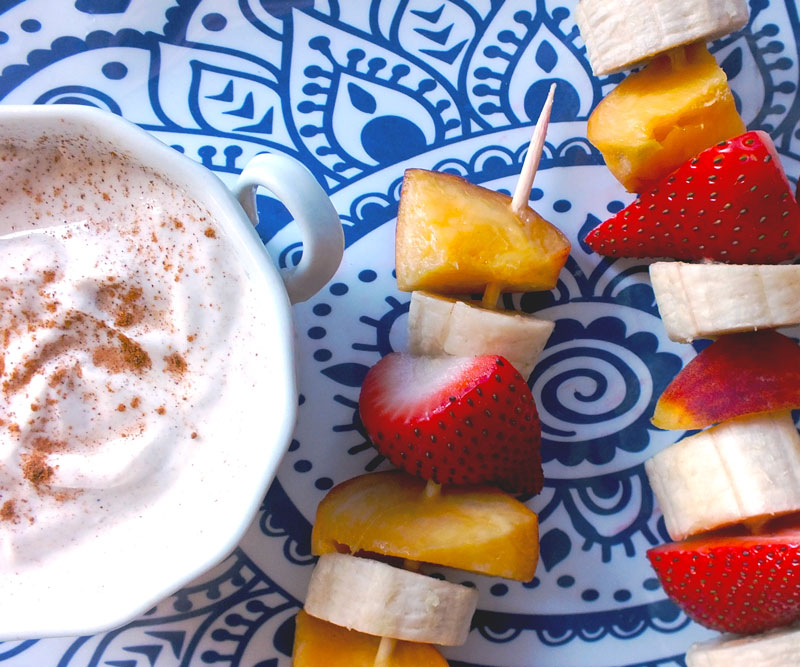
<point>235,605</point>
<point>358,91</point>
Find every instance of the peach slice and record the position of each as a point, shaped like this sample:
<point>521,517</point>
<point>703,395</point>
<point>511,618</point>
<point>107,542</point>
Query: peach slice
<point>454,237</point>
<point>738,374</point>
<point>318,643</point>
<point>662,116</point>
<point>478,529</point>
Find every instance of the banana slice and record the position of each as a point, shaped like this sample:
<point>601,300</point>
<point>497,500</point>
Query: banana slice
<point>621,33</point>
<point>428,323</point>
<point>705,300</point>
<point>378,599</point>
<point>439,327</point>
<point>746,468</point>
<point>776,648</point>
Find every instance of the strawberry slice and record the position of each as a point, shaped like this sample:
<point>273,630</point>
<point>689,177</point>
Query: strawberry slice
<point>732,203</point>
<point>740,584</point>
<point>454,420</point>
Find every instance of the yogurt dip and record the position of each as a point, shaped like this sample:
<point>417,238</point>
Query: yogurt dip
<point>129,332</point>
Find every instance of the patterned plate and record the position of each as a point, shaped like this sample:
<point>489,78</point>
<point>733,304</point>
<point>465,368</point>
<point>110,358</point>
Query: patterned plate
<point>359,90</point>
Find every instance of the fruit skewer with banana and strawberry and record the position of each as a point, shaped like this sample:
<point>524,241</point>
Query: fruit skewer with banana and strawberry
<point>711,192</point>
<point>456,414</point>
<point>730,496</point>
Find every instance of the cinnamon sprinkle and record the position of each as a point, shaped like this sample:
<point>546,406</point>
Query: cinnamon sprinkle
<point>123,304</point>
<point>35,469</point>
<point>124,319</point>
<point>176,364</point>
<point>8,511</point>
<point>48,445</point>
<point>57,377</point>
<point>134,354</point>
<point>129,356</point>
<point>130,298</point>
<point>17,380</point>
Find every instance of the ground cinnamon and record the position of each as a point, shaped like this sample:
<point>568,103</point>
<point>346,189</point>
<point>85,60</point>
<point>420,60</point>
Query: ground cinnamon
<point>35,469</point>
<point>8,511</point>
<point>128,357</point>
<point>176,364</point>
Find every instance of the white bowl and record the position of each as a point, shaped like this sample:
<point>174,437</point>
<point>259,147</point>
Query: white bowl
<point>103,581</point>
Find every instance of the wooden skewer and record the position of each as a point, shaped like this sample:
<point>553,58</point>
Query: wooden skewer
<point>411,565</point>
<point>384,653</point>
<point>522,193</point>
<point>677,57</point>
<point>432,490</point>
<point>756,525</point>
<point>491,294</point>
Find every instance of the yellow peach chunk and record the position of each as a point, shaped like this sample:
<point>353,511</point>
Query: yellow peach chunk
<point>454,237</point>
<point>660,117</point>
<point>318,643</point>
<point>478,529</point>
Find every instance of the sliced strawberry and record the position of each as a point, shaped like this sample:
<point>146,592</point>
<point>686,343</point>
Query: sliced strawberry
<point>732,203</point>
<point>454,420</point>
<point>743,584</point>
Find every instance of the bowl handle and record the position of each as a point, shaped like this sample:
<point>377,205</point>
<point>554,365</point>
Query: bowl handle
<point>320,228</point>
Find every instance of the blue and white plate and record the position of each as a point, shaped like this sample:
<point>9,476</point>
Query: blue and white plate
<point>359,90</point>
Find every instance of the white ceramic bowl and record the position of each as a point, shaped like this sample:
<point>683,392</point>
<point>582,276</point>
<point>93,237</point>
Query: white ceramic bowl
<point>103,582</point>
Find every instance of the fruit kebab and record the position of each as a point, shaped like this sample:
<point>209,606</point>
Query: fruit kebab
<point>679,103</point>
<point>456,414</point>
<point>456,238</point>
<point>455,242</point>
<point>730,214</point>
<point>731,493</point>
<point>730,496</point>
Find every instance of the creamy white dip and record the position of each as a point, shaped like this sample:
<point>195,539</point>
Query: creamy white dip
<point>124,316</point>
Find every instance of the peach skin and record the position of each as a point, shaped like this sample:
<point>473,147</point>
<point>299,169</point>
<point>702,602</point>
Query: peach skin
<point>736,375</point>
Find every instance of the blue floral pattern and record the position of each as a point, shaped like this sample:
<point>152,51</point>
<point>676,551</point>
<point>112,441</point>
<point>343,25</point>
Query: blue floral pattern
<point>358,91</point>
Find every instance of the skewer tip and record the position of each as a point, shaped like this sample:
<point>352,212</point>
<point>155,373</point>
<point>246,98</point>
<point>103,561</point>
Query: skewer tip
<point>525,182</point>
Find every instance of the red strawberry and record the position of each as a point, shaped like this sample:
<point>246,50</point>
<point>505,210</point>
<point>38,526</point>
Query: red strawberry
<point>454,420</point>
<point>743,584</point>
<point>731,203</point>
